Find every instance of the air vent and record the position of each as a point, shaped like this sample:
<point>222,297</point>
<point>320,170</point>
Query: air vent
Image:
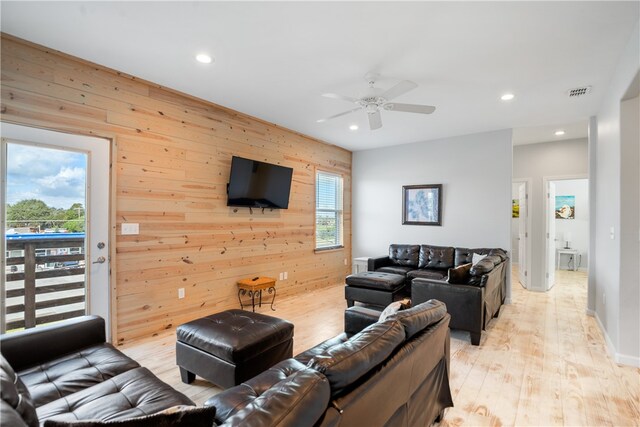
<point>579,91</point>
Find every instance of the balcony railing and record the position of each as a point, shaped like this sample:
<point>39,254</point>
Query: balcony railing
<point>45,279</point>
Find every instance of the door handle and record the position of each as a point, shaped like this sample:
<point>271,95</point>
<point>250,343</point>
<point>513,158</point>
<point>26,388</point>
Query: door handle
<point>100,260</point>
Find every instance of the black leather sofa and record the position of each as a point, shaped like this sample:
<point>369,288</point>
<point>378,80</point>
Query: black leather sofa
<point>391,373</point>
<point>67,372</point>
<point>473,302</point>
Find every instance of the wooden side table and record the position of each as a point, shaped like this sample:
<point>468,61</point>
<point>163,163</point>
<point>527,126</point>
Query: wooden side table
<point>254,288</point>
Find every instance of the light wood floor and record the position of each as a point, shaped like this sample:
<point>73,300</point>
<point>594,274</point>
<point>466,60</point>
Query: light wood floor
<point>541,363</point>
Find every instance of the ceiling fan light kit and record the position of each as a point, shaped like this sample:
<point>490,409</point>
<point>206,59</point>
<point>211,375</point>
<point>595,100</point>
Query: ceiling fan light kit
<point>376,99</point>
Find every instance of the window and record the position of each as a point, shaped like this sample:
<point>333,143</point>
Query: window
<point>328,210</point>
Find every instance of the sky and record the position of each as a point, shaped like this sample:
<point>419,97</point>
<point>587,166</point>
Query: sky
<point>56,177</point>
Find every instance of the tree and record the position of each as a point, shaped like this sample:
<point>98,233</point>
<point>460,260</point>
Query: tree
<point>75,217</point>
<point>74,225</point>
<point>36,213</point>
<point>29,213</point>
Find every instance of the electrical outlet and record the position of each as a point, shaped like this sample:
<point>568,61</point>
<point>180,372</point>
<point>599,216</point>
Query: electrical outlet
<point>286,275</point>
<point>130,228</point>
<point>281,276</point>
<point>345,261</point>
<point>612,233</point>
<point>180,293</point>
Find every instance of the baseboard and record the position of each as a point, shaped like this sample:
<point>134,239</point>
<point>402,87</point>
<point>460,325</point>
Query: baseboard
<point>610,347</point>
<point>621,359</point>
<point>590,313</point>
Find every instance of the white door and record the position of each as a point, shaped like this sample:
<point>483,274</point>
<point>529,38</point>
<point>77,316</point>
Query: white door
<point>70,274</point>
<point>551,235</point>
<point>522,235</point>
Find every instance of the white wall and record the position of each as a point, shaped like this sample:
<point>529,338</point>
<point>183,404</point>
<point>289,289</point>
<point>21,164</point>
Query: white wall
<point>593,161</point>
<point>578,227</point>
<point>630,226</point>
<point>537,161</point>
<point>617,302</point>
<point>475,171</point>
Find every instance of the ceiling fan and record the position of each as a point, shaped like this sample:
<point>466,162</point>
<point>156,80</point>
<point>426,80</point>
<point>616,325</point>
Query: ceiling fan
<point>375,99</point>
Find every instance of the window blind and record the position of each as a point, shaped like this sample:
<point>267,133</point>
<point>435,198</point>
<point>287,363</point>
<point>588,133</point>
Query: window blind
<point>328,210</point>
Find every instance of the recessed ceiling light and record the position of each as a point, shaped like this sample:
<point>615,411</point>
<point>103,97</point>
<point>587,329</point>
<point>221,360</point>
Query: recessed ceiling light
<point>204,58</point>
<point>507,97</point>
<point>559,132</point>
<point>353,127</point>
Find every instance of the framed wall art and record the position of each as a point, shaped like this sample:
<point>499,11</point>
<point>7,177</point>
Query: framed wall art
<point>515,208</point>
<point>565,207</point>
<point>422,204</point>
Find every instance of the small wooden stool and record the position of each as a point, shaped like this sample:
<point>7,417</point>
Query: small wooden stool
<point>254,287</point>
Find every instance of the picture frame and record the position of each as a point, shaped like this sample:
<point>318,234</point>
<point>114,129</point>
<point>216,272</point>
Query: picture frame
<point>565,207</point>
<point>515,208</point>
<point>422,204</point>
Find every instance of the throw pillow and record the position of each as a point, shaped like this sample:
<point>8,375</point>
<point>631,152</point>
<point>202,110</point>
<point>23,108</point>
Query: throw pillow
<point>459,275</point>
<point>178,416</point>
<point>393,308</point>
<point>390,310</point>
<point>477,258</point>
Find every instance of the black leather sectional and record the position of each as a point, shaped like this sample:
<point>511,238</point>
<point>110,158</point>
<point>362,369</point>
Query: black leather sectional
<point>472,302</point>
<point>391,373</point>
<point>67,372</point>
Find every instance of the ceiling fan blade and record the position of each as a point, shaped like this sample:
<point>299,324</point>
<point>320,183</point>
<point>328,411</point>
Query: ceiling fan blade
<point>409,108</point>
<point>340,97</point>
<point>338,115</point>
<point>399,89</point>
<point>375,121</point>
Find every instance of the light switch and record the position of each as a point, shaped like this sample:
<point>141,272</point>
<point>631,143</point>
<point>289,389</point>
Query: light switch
<point>130,228</point>
<point>612,233</point>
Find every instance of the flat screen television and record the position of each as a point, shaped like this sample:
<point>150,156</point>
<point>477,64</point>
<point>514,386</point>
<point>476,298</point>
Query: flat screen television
<point>258,184</point>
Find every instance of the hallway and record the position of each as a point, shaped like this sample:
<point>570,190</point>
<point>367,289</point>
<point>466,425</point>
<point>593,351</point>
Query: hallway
<point>542,362</point>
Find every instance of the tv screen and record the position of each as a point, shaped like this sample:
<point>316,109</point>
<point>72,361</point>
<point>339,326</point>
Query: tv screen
<point>258,184</point>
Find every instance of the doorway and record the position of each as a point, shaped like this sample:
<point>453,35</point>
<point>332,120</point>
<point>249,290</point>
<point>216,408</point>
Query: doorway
<point>567,226</point>
<point>520,229</point>
<point>55,198</point>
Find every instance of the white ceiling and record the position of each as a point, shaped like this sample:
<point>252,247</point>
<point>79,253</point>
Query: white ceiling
<point>546,133</point>
<point>274,59</point>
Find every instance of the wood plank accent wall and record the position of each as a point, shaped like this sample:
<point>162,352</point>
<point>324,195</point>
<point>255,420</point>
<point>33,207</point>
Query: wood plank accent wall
<point>172,159</point>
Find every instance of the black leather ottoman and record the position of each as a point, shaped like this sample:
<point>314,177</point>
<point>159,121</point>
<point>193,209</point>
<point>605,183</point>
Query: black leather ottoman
<point>372,287</point>
<point>230,347</point>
